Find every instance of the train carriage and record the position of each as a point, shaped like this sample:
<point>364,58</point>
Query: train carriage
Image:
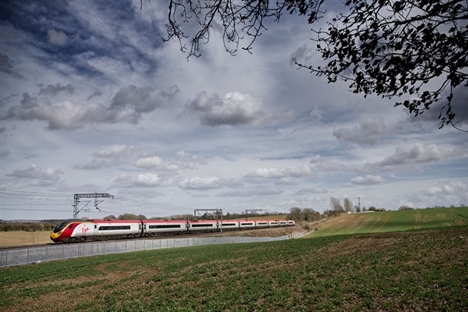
<point>273,223</point>
<point>261,224</point>
<point>153,227</point>
<point>80,230</point>
<point>246,224</point>
<point>229,224</point>
<point>117,228</point>
<point>203,226</point>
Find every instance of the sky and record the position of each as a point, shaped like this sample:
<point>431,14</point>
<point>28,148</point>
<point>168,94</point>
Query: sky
<point>93,101</point>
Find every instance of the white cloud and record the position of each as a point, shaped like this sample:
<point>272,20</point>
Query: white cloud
<point>35,172</point>
<point>127,106</point>
<point>367,180</point>
<point>316,159</point>
<point>149,162</point>
<point>56,89</point>
<point>274,173</point>
<point>114,151</point>
<point>144,180</point>
<point>182,160</point>
<point>415,153</point>
<point>448,189</point>
<point>446,194</point>
<point>207,183</point>
<point>34,175</point>
<point>367,132</point>
<point>94,164</point>
<point>107,156</point>
<point>330,167</point>
<point>256,192</point>
<point>233,109</point>
<point>142,100</point>
<point>58,38</point>
<point>310,191</point>
<point>155,163</point>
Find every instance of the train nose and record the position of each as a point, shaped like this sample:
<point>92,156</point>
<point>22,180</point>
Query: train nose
<point>55,236</point>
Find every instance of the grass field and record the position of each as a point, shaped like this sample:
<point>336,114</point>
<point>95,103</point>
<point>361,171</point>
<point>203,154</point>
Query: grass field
<point>420,270</point>
<point>391,221</point>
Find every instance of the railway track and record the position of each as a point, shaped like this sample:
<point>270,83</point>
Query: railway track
<point>155,237</point>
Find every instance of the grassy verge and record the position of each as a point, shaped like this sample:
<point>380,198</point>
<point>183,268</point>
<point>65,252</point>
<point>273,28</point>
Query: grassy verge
<point>421,270</point>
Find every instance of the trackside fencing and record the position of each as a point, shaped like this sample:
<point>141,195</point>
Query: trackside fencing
<point>14,257</point>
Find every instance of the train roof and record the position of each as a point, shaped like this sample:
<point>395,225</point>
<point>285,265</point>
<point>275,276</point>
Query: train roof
<point>165,221</point>
<point>115,221</point>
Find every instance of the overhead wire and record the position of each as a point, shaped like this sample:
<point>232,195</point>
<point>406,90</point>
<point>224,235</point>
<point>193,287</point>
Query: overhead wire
<point>24,198</point>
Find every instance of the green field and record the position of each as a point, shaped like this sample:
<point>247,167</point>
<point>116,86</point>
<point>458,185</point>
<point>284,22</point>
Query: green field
<point>391,221</point>
<point>419,270</point>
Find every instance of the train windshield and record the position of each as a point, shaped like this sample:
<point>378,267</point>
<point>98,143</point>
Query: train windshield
<point>60,227</point>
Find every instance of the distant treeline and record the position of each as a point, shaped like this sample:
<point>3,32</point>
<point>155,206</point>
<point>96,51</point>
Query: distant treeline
<point>25,226</point>
<point>295,213</point>
<point>205,216</point>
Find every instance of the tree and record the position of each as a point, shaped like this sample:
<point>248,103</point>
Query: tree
<point>391,48</point>
<point>294,214</point>
<point>310,214</point>
<point>335,204</point>
<point>348,204</point>
<point>131,216</point>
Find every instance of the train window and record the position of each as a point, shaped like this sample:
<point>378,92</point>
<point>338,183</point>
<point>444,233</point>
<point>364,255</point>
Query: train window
<point>228,224</point>
<point>202,225</point>
<point>165,226</point>
<point>114,227</point>
<point>246,223</point>
<point>59,227</point>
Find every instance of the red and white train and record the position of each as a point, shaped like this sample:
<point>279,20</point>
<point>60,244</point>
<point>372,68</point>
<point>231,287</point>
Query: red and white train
<point>80,231</point>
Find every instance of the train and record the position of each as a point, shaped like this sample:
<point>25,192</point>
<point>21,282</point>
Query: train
<point>74,231</point>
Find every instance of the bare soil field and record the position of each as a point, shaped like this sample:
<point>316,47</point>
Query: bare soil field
<point>418,271</point>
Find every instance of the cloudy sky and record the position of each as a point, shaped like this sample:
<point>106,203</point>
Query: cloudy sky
<point>93,100</point>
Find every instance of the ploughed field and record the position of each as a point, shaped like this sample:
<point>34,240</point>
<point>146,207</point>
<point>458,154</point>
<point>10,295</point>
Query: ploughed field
<point>417,270</point>
<point>402,271</point>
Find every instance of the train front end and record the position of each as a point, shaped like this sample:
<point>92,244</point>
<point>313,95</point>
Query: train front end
<point>63,231</point>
